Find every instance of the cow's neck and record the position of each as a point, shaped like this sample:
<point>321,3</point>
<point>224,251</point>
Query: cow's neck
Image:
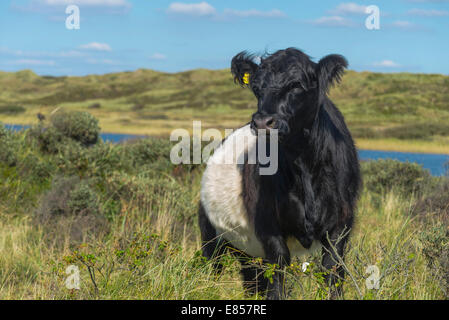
<point>297,146</point>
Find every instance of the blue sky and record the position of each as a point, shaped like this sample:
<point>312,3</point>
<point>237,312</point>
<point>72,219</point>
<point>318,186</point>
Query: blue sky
<point>119,35</point>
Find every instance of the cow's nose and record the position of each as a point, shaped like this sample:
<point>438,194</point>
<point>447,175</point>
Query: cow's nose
<point>266,122</point>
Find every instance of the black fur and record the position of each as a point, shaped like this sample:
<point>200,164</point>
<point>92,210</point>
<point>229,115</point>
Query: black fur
<point>313,194</point>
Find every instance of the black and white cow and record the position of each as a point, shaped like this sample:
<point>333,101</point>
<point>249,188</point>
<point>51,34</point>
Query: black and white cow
<point>309,202</point>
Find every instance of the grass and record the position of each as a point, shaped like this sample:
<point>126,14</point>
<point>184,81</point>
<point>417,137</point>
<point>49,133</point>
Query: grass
<point>400,111</point>
<point>151,246</point>
<point>143,259</point>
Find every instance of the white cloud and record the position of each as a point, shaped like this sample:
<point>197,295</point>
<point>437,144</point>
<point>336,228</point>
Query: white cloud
<point>96,46</point>
<point>158,56</point>
<point>407,26</point>
<point>41,54</point>
<point>386,64</point>
<point>195,9</point>
<point>54,8</point>
<point>204,9</point>
<point>102,61</point>
<point>5,50</point>
<point>275,13</point>
<point>31,62</point>
<point>332,21</point>
<point>93,3</point>
<point>402,24</point>
<point>428,13</point>
<point>349,8</point>
<point>429,1</point>
<point>70,54</point>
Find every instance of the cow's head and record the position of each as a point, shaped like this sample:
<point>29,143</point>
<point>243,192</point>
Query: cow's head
<point>288,85</point>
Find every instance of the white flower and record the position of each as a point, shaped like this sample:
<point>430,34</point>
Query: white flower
<point>304,266</point>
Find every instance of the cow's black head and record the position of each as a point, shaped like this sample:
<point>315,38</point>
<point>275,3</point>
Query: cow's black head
<point>288,85</point>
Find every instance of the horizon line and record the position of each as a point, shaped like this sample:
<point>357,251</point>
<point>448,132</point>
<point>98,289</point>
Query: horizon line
<point>195,69</point>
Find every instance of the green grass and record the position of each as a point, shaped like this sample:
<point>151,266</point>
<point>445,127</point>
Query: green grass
<point>403,111</point>
<point>126,217</point>
<point>146,257</point>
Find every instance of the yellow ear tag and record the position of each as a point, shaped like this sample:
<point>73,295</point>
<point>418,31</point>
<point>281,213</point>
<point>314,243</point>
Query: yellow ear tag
<point>246,78</point>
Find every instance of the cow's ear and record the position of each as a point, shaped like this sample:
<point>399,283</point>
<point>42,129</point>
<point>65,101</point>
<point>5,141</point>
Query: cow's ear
<point>330,69</point>
<point>243,67</point>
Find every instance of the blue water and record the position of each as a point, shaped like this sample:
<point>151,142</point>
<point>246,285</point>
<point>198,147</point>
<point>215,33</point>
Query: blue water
<point>118,137</point>
<point>110,137</point>
<point>433,162</point>
<point>15,127</point>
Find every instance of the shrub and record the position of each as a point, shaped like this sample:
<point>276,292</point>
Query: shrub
<point>94,106</point>
<point>152,193</point>
<point>70,210</point>
<point>138,107</point>
<point>35,169</point>
<point>49,139</point>
<point>381,176</point>
<point>83,200</point>
<point>12,109</point>
<point>364,132</point>
<point>80,126</point>
<point>417,131</point>
<point>99,160</point>
<point>435,241</point>
<point>55,201</point>
<point>7,147</point>
<point>149,151</point>
<point>434,203</point>
<point>66,130</point>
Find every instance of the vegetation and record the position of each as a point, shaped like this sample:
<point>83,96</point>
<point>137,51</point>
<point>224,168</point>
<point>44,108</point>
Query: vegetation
<point>126,217</point>
<point>401,111</point>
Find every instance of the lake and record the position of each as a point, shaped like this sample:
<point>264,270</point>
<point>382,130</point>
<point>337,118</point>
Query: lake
<point>433,162</point>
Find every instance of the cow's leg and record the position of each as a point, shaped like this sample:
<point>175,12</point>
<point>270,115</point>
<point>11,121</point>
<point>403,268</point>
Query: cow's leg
<point>333,255</point>
<point>212,246</point>
<point>253,279</point>
<point>278,255</point>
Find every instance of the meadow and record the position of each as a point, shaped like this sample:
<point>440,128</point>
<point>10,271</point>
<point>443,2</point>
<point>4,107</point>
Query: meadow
<point>126,216</point>
<point>399,112</point>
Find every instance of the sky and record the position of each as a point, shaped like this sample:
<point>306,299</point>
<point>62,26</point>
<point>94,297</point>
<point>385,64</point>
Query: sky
<point>172,36</point>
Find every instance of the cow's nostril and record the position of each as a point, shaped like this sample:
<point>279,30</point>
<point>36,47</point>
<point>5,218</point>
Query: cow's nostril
<point>263,122</point>
<point>270,123</point>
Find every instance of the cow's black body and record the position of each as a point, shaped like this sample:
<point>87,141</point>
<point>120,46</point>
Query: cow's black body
<point>313,194</point>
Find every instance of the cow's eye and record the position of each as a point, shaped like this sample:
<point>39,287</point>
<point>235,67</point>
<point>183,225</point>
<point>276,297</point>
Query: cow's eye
<point>297,86</point>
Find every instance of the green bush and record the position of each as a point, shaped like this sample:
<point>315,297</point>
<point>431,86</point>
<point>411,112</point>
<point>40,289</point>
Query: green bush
<point>381,176</point>
<point>35,169</point>
<point>70,210</point>
<point>49,139</point>
<point>12,109</point>
<point>83,200</point>
<point>435,244</point>
<point>7,147</point>
<point>417,131</point>
<point>68,196</point>
<point>97,161</point>
<point>66,130</point>
<point>435,202</point>
<point>138,107</point>
<point>77,125</point>
<point>152,152</point>
<point>94,106</point>
<point>364,132</point>
<point>149,192</point>
<point>56,201</point>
